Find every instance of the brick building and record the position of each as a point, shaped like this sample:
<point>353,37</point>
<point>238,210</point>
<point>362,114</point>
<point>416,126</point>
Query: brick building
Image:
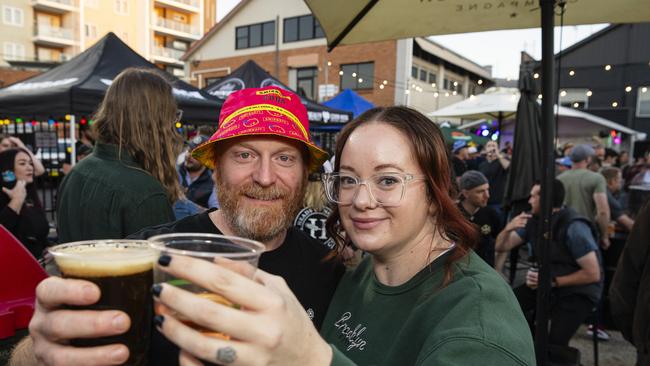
<point>286,40</point>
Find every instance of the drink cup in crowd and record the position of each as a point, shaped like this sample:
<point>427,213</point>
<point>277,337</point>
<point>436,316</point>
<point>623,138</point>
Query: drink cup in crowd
<point>123,271</point>
<point>206,247</point>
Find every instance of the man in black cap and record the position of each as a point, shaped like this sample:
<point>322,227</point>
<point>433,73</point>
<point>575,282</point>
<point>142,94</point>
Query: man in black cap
<point>475,191</point>
<point>196,178</point>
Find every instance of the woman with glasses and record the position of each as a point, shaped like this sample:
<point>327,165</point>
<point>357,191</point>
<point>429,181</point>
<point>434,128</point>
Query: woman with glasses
<point>129,181</point>
<point>422,296</point>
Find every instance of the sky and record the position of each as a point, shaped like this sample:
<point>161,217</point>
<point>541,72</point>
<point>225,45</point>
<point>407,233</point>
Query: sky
<point>501,49</point>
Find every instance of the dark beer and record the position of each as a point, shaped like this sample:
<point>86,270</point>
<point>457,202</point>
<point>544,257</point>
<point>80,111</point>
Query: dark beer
<point>124,275</point>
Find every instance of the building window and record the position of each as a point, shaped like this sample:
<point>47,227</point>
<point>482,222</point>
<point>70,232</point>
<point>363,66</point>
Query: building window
<point>643,102</point>
<point>255,35</point>
<point>121,7</point>
<point>414,72</point>
<point>14,51</point>
<point>452,85</point>
<point>423,75</point>
<point>574,98</point>
<point>302,28</point>
<point>358,76</point>
<point>306,82</point>
<point>432,78</point>
<point>90,30</point>
<point>12,16</point>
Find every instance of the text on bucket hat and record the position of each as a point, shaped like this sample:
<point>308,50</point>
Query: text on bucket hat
<point>264,111</point>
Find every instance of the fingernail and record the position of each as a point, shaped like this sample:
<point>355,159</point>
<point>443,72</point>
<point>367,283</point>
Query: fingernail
<point>156,289</point>
<point>88,292</point>
<point>158,320</point>
<point>119,354</point>
<point>164,260</point>
<point>119,321</point>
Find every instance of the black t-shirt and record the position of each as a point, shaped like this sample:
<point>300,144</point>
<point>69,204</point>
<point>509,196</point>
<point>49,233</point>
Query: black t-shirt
<point>489,226</point>
<point>299,260</point>
<point>459,166</point>
<point>496,175</point>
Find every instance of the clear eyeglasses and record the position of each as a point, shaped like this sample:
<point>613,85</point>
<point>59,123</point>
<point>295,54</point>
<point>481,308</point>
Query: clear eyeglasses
<point>387,189</point>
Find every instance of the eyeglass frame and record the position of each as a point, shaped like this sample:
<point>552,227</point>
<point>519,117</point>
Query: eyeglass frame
<point>405,179</point>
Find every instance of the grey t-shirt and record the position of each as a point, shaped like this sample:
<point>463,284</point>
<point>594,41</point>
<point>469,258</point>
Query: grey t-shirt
<point>580,186</point>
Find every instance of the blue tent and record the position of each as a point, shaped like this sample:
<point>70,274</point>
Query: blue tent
<point>348,100</point>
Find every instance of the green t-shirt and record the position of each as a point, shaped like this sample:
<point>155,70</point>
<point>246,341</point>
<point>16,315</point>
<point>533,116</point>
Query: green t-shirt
<point>108,196</point>
<point>580,186</point>
<point>474,320</point>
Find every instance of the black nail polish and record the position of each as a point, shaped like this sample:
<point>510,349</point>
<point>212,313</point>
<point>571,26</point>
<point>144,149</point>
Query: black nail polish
<point>164,260</point>
<point>158,320</point>
<point>156,289</point>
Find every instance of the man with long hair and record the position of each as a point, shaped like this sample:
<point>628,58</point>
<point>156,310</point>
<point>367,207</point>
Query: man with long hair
<point>261,156</point>
<point>129,181</point>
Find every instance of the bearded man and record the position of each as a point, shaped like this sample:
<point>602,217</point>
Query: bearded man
<point>260,156</point>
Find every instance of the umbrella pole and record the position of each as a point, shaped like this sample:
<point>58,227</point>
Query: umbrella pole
<point>500,132</point>
<point>548,133</point>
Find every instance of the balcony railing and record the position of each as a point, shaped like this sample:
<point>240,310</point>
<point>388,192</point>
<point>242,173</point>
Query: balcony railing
<point>56,6</point>
<point>194,3</point>
<point>167,52</point>
<point>178,26</point>
<point>44,30</point>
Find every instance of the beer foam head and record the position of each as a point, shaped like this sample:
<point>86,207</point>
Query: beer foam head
<point>103,259</point>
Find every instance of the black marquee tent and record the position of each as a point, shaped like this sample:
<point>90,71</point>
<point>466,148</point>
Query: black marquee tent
<point>251,75</point>
<point>78,86</point>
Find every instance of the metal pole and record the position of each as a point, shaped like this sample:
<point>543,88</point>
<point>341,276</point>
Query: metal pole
<point>73,140</point>
<point>548,134</point>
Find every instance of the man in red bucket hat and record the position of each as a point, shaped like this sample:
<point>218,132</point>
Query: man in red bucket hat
<point>261,156</point>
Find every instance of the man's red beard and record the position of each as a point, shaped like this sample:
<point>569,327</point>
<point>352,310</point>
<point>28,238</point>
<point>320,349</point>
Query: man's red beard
<point>258,222</point>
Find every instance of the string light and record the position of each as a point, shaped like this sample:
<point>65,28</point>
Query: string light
<point>539,96</point>
<point>563,93</point>
<point>381,86</point>
<point>589,93</point>
<point>407,92</point>
<point>608,67</point>
<point>644,89</point>
<point>178,125</point>
<point>480,82</point>
<point>576,105</point>
<point>361,80</point>
<point>447,94</point>
<point>454,93</point>
<point>614,104</point>
<point>67,117</point>
<point>412,85</point>
<point>341,72</point>
<point>329,63</point>
<point>535,76</point>
<point>19,120</point>
<point>571,73</point>
<point>354,74</point>
<point>435,95</point>
<point>455,83</point>
<point>628,89</point>
<point>433,85</point>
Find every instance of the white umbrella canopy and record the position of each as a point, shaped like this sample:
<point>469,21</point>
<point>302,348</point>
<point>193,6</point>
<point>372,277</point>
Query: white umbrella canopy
<point>495,102</point>
<point>395,19</point>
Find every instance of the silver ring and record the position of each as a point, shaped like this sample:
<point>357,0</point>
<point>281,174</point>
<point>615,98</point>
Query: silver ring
<point>226,355</point>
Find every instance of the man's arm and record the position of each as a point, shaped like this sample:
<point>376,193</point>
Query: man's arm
<point>626,221</point>
<point>508,237</point>
<point>505,163</point>
<point>602,216</point>
<point>589,272</point>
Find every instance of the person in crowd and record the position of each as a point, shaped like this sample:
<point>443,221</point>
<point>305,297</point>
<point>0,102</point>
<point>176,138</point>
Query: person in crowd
<point>575,264</point>
<point>586,191</point>
<point>129,181</point>
<point>495,169</point>
<point>595,165</point>
<point>614,179</point>
<point>475,193</point>
<point>460,152</point>
<point>507,149</point>
<point>566,149</point>
<point>562,164</point>
<point>611,157</point>
<point>391,188</point>
<point>261,175</point>
<point>474,157</point>
<point>195,178</point>
<point>599,152</point>
<point>11,142</point>
<point>629,292</point>
<point>21,211</point>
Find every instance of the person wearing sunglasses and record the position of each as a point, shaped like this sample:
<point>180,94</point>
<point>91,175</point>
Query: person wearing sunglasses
<point>422,296</point>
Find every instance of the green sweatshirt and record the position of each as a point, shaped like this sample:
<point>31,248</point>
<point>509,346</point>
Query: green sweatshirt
<point>474,320</point>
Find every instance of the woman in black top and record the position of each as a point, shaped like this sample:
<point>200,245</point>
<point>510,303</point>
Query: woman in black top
<point>20,209</point>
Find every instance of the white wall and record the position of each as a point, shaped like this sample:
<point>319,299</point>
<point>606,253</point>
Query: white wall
<point>222,44</point>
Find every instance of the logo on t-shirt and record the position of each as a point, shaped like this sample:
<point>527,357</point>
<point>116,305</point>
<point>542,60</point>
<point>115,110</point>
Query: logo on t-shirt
<point>312,222</point>
<point>486,229</point>
<point>351,335</point>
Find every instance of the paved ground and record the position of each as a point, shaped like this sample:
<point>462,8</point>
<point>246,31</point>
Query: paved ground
<point>615,352</point>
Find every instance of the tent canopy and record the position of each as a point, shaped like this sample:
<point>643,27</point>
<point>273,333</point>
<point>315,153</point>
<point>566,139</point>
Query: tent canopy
<point>251,75</point>
<point>348,100</point>
<point>78,86</point>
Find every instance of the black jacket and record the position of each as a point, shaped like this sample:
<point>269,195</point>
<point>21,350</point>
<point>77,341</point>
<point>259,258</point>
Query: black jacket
<point>630,289</point>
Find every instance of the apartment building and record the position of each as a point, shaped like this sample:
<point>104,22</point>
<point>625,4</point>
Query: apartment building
<point>34,32</point>
<point>284,38</point>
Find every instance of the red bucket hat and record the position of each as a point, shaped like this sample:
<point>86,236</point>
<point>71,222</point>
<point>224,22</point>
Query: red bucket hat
<point>263,111</point>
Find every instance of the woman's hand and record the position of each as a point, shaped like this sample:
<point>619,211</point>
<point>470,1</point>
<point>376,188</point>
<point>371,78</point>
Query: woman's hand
<point>16,195</point>
<point>271,328</point>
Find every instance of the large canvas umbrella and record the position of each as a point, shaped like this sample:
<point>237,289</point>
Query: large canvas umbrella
<point>356,21</point>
